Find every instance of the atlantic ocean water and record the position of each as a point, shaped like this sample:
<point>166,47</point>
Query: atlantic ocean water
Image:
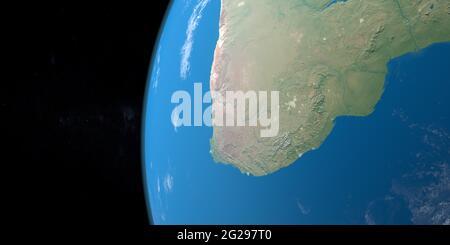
<point>342,182</point>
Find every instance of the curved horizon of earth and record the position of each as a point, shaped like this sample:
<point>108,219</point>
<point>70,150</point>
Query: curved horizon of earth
<point>326,58</point>
<point>391,167</point>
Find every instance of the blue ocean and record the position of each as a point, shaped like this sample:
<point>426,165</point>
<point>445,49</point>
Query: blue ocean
<point>345,181</point>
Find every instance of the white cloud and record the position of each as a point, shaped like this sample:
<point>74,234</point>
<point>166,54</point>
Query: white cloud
<point>156,69</point>
<point>302,208</point>
<point>186,50</point>
<point>187,3</point>
<point>168,183</point>
<point>158,186</point>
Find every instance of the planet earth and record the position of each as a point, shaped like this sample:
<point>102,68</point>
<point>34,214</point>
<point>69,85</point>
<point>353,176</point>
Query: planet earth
<point>356,129</point>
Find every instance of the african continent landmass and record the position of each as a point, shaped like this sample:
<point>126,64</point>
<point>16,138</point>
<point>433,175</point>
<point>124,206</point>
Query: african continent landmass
<point>327,59</point>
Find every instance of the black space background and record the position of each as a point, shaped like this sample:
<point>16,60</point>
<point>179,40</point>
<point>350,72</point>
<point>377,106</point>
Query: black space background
<point>71,98</point>
<point>79,76</point>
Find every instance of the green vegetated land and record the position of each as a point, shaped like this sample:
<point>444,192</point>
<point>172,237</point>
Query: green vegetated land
<point>326,61</point>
